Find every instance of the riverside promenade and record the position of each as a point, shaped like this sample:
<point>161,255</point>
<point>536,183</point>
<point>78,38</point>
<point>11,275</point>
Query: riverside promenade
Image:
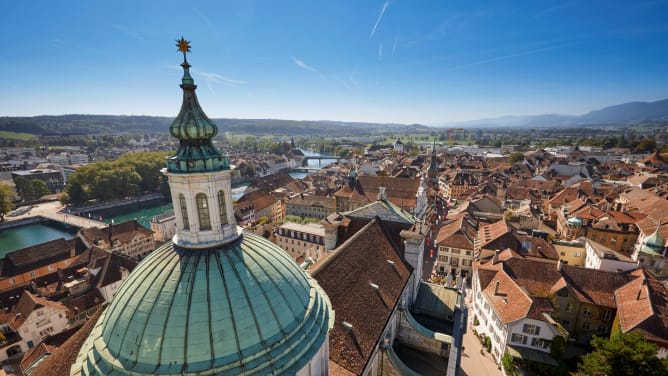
<point>53,210</point>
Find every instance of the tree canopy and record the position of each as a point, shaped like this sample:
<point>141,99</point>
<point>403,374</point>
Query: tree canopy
<point>515,157</point>
<point>31,189</point>
<point>623,354</point>
<point>6,198</point>
<point>128,176</point>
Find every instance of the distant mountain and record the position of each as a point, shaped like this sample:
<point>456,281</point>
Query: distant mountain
<point>631,112</point>
<point>621,114</point>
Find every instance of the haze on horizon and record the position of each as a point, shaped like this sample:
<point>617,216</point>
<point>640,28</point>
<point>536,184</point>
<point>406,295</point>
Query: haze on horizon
<point>431,62</point>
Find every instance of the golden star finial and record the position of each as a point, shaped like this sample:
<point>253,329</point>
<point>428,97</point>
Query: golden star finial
<point>183,45</point>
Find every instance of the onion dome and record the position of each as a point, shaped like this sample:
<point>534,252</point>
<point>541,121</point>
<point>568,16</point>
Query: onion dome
<point>194,130</point>
<point>653,243</point>
<point>575,221</point>
<point>243,308</point>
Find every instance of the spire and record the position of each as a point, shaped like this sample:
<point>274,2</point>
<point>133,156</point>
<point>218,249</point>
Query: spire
<point>433,166</point>
<point>194,129</point>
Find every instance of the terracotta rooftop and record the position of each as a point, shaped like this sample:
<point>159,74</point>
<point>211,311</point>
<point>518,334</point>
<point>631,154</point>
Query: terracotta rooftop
<point>399,191</point>
<point>642,305</point>
<point>509,301</point>
<point>594,286</point>
<point>368,257</point>
<point>492,232</point>
<point>29,302</point>
<point>271,182</point>
<point>259,199</point>
<point>122,232</point>
<point>39,255</point>
<point>457,234</point>
<point>60,361</point>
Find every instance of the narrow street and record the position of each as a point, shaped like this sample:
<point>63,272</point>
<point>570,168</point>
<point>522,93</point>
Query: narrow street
<point>430,248</point>
<point>473,362</point>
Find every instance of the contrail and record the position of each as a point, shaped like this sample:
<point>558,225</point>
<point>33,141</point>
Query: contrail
<point>380,16</point>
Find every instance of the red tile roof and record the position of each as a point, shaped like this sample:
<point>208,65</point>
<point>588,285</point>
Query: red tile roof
<point>60,361</point>
<point>642,305</point>
<point>346,276</point>
<point>594,286</point>
<point>399,191</point>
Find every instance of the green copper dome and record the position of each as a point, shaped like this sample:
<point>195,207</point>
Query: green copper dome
<point>194,130</point>
<point>243,308</point>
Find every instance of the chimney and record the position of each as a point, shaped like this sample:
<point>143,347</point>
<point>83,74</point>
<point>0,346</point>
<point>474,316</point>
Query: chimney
<point>496,287</point>
<point>559,265</point>
<point>639,292</point>
<point>348,326</point>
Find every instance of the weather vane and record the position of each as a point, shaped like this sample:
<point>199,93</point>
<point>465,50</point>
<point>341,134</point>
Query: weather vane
<point>184,46</point>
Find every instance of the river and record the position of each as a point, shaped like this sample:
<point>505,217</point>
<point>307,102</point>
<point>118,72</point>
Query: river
<point>29,235</point>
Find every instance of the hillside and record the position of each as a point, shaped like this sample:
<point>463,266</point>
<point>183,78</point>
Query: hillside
<point>105,124</point>
<point>620,115</point>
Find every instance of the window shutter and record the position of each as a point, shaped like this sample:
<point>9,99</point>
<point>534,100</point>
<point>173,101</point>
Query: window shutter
<point>524,342</point>
<point>537,330</point>
<point>524,328</point>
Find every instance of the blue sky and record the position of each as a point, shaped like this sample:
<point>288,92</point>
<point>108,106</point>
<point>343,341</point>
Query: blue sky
<point>429,62</point>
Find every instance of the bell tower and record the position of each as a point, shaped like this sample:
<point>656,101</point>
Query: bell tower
<point>199,174</point>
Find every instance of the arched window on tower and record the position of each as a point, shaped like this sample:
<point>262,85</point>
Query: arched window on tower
<point>203,212</point>
<point>184,211</point>
<point>221,208</point>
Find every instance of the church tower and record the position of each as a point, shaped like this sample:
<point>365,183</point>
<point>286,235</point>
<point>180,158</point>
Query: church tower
<point>199,176</point>
<point>433,165</point>
<point>215,300</point>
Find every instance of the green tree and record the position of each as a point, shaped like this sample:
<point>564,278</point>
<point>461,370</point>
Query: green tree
<point>248,170</point>
<point>38,188</point>
<point>623,354</point>
<point>509,364</point>
<point>515,157</point>
<point>7,196</point>
<point>557,347</point>
<point>23,187</point>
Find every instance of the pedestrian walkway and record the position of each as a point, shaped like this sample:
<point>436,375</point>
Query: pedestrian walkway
<point>473,362</point>
<point>73,220</point>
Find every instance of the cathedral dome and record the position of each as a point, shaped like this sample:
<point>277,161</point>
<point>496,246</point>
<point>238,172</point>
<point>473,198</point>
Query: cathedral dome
<point>214,300</point>
<point>243,308</point>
